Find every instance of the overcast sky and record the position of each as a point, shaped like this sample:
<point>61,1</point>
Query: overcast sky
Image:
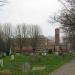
<point>30,12</point>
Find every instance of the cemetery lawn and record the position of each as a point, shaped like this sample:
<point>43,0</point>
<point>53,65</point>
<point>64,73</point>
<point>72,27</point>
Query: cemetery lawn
<point>50,62</point>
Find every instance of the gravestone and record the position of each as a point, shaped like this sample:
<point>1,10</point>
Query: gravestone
<point>38,68</point>
<point>44,54</point>
<point>26,67</point>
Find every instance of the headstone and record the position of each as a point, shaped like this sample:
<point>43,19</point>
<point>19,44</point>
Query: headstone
<point>56,53</point>
<point>1,62</point>
<point>38,68</point>
<point>44,54</point>
<point>18,54</point>
<point>4,54</point>
<point>26,67</point>
<point>31,54</point>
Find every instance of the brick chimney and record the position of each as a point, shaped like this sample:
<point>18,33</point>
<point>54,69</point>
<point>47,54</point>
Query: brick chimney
<point>57,40</point>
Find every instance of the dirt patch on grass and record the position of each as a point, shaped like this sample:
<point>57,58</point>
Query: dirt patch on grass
<point>5,72</point>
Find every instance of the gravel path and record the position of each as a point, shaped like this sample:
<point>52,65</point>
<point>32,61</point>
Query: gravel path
<point>67,69</point>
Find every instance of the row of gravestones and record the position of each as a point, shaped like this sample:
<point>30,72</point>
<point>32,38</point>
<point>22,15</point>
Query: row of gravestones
<point>26,67</point>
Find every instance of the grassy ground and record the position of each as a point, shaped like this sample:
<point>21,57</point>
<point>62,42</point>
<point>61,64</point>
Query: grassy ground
<point>51,62</point>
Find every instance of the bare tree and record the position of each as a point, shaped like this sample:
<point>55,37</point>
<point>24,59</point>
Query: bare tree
<point>24,34</point>
<point>19,37</point>
<point>67,20</point>
<point>34,35</point>
<point>1,39</point>
<point>7,30</point>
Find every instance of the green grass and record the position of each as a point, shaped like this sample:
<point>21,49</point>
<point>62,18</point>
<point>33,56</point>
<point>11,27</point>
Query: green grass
<point>51,62</point>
